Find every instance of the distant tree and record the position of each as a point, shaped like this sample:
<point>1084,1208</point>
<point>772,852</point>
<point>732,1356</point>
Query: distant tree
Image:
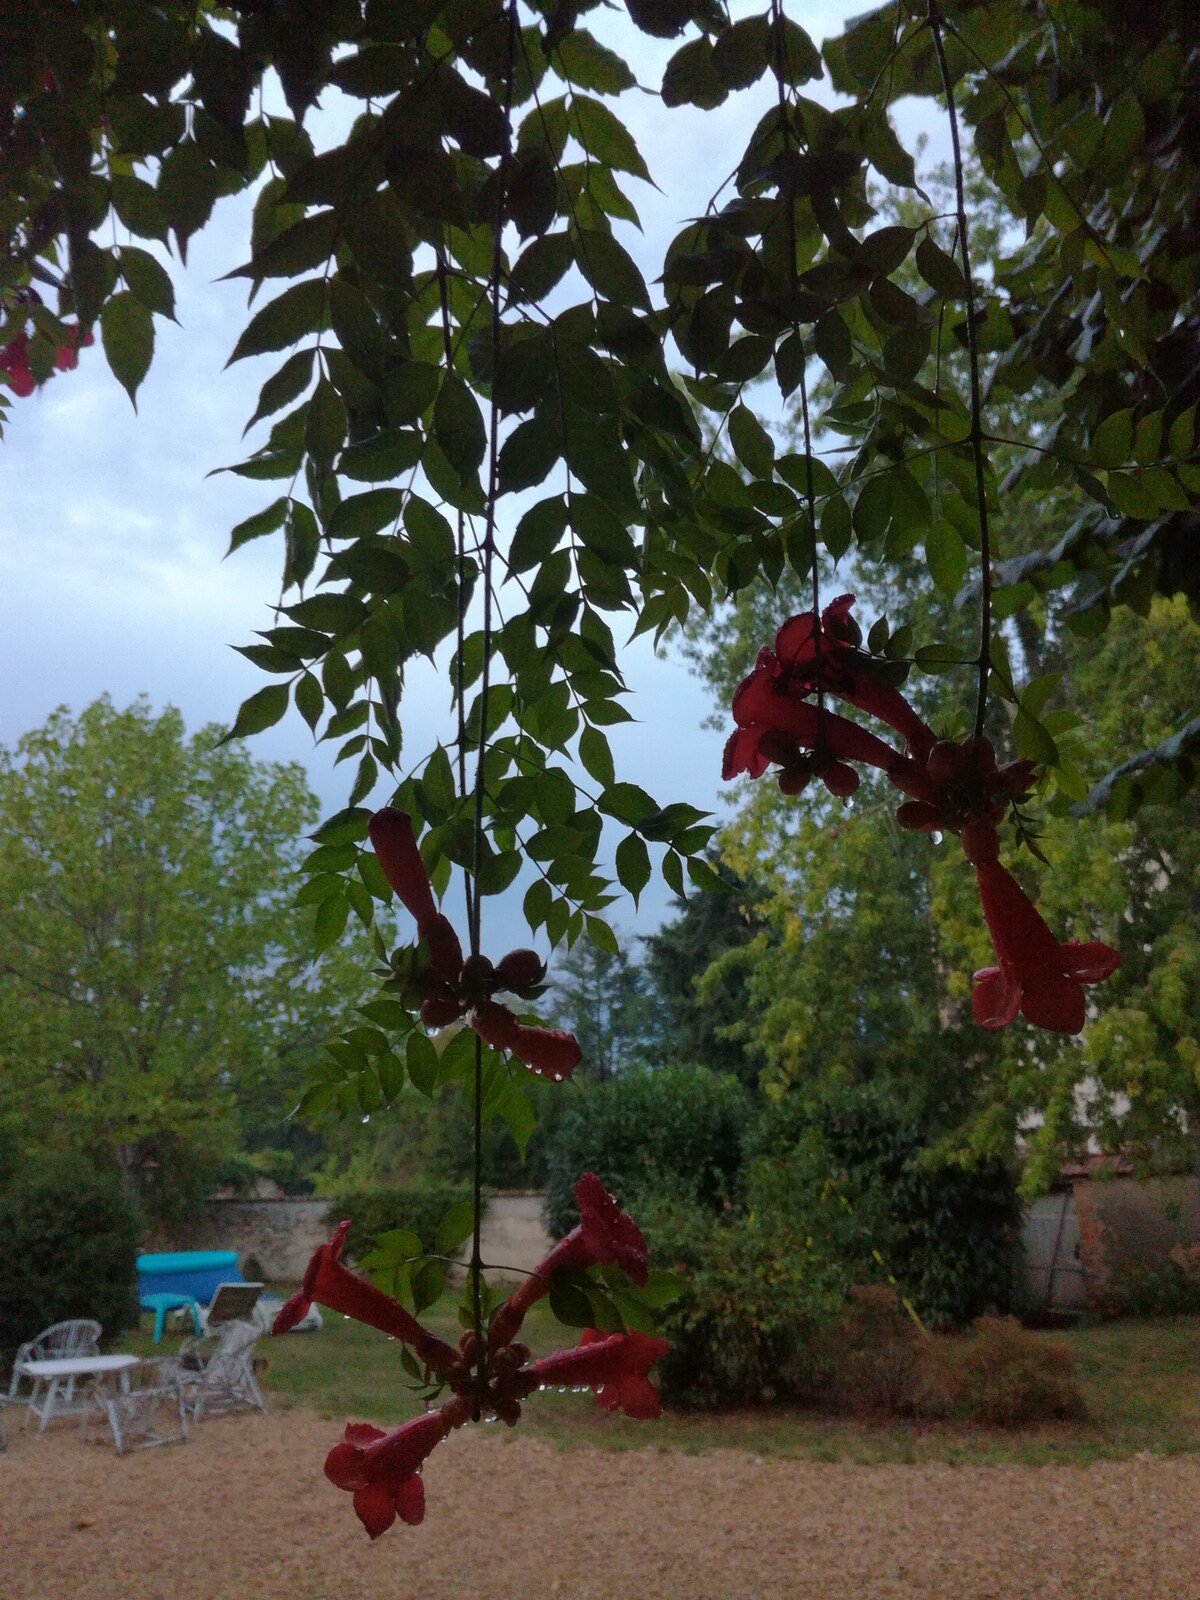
<point>697,969</point>
<point>602,999</point>
<point>154,999</point>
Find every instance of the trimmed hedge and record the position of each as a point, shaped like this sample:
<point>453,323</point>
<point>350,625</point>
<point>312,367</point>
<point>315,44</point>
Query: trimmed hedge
<point>71,1237</point>
<point>675,1131</point>
<point>375,1211</point>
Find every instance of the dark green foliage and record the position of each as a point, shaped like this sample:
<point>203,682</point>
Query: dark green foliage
<point>71,1239</point>
<point>945,1232</point>
<point>375,1211</point>
<point>745,1328</point>
<point>672,1131</point>
<point>601,997</point>
<point>696,1007</point>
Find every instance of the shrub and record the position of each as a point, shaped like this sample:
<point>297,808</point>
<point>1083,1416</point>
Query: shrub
<point>1000,1373</point>
<point>871,1354</point>
<point>375,1211</point>
<point>945,1232</point>
<point>70,1242</point>
<point>675,1131</point>
<point>877,1359</point>
<point>744,1329</point>
<point>1169,1289</point>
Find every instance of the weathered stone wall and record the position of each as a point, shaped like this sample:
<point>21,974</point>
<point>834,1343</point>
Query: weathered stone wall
<point>280,1235</point>
<point>514,1235</point>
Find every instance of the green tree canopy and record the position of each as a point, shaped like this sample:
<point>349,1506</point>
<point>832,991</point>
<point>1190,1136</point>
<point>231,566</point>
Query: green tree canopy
<point>157,1001</point>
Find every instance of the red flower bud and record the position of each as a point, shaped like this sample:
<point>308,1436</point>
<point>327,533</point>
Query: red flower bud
<point>478,977</point>
<point>839,779</point>
<point>520,969</point>
<point>794,780</point>
<point>438,1011</point>
<point>919,816</point>
<point>947,763</point>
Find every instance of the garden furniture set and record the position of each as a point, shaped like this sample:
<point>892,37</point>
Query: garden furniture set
<point>144,1402</point>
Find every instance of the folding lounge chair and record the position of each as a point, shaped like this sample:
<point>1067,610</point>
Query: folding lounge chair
<point>231,1302</point>
<point>217,1370</point>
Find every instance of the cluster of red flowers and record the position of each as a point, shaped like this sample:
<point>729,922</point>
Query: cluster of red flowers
<point>952,788</point>
<point>383,1469</point>
<point>462,989</point>
<point>14,359</point>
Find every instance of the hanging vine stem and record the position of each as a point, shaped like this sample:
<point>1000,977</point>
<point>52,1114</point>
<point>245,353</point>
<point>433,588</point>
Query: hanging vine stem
<point>976,435</point>
<point>810,496</point>
<point>487,555</point>
<point>460,543</point>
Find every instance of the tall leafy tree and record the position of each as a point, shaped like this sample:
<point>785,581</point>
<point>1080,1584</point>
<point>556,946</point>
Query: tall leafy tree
<point>696,967</point>
<point>157,1001</point>
<point>601,995</point>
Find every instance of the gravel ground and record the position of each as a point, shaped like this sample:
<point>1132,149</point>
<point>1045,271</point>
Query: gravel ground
<point>242,1512</point>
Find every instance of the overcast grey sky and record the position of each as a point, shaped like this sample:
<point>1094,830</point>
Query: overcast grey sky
<point>112,537</point>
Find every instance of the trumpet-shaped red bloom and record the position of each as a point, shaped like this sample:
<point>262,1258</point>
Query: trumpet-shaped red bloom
<point>614,1366</point>
<point>382,1469</point>
<point>1037,975</point>
<point>456,988</point>
<point>775,726</point>
<point>391,834</point>
<point>334,1286</point>
<point>549,1052</point>
<point>14,359</point>
<point>605,1236</point>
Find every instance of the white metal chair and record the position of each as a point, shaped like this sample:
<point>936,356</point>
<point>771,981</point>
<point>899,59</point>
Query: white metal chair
<point>216,1371</point>
<point>80,1336</point>
<point>146,1406</point>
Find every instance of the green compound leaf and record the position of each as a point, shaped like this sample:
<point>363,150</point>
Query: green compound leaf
<point>127,331</point>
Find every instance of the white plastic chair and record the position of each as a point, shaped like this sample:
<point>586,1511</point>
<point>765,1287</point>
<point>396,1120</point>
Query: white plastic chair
<point>216,1371</point>
<point>80,1336</point>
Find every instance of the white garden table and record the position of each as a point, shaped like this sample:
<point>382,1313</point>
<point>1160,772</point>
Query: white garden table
<point>60,1378</point>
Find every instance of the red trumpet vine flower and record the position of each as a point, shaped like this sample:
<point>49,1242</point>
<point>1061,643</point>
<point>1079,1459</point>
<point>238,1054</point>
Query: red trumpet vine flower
<point>605,1236</point>
<point>774,726</point>
<point>1037,975</point>
<point>383,1469</point>
<point>14,359</point>
<point>614,1366</point>
<point>456,988</point>
<point>809,654</point>
<point>334,1286</point>
<point>391,834</point>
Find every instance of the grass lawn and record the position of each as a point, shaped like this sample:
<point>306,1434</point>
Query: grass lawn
<point>1140,1380</point>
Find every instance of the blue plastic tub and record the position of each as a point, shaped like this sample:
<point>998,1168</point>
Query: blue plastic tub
<point>192,1272</point>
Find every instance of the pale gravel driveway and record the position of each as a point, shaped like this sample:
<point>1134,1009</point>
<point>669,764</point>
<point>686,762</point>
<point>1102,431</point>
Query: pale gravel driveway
<point>242,1512</point>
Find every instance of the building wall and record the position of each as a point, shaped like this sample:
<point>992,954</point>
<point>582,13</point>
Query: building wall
<point>281,1235</point>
